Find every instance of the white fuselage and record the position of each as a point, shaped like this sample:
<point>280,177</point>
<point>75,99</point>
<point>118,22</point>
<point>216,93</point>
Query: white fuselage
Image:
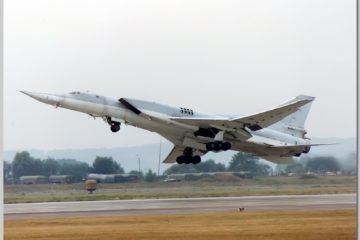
<point>164,126</point>
<point>160,122</point>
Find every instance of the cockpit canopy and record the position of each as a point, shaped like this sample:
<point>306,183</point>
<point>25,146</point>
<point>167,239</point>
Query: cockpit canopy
<point>86,96</point>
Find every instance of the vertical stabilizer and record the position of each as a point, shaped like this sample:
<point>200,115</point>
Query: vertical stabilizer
<point>294,123</point>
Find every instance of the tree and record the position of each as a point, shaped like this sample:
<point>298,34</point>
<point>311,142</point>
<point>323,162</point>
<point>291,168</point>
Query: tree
<point>210,166</point>
<point>23,165</point>
<point>106,165</point>
<point>137,173</point>
<point>150,176</point>
<point>50,167</point>
<point>6,171</point>
<point>74,168</point>
<point>295,168</point>
<point>349,163</point>
<point>183,168</point>
<point>323,164</point>
<point>249,163</point>
<point>206,166</point>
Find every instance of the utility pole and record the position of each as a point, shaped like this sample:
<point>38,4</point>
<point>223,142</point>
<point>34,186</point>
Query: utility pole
<point>12,172</point>
<point>159,157</point>
<point>139,163</point>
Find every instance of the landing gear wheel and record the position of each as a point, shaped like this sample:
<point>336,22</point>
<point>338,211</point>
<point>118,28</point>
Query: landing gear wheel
<point>180,160</point>
<point>196,159</point>
<point>210,146</point>
<point>115,127</point>
<point>187,160</point>
<point>226,146</point>
<point>218,146</point>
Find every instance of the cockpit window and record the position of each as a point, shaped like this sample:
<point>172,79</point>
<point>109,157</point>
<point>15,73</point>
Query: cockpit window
<point>75,93</point>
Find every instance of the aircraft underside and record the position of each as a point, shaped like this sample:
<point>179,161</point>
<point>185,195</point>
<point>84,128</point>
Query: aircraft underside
<point>197,143</point>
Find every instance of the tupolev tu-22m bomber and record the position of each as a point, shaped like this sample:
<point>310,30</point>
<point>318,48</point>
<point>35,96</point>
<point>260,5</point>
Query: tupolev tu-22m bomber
<point>276,135</point>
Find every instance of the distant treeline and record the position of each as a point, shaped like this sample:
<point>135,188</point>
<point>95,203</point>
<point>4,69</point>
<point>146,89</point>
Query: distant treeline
<point>249,163</point>
<point>24,164</point>
<point>320,165</point>
<point>239,162</point>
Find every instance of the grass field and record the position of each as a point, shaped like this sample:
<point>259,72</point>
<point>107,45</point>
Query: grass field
<point>304,225</point>
<point>243,187</point>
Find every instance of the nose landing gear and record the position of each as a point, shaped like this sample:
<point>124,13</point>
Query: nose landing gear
<point>114,126</point>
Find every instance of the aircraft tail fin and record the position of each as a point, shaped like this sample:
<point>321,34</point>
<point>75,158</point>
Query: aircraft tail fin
<point>295,122</point>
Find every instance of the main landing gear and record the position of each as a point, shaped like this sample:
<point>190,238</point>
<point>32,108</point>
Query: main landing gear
<point>188,157</point>
<point>218,146</point>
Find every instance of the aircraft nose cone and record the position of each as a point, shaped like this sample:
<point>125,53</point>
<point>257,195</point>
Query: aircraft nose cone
<point>37,96</point>
<point>44,97</point>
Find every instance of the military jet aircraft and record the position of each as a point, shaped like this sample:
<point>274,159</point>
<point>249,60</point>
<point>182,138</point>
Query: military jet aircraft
<point>276,135</point>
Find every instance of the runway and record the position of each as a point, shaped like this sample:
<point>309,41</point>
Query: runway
<point>183,205</point>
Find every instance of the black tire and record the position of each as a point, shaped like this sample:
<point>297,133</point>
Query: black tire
<point>187,160</point>
<point>226,146</point>
<point>115,127</point>
<point>218,146</point>
<point>196,159</point>
<point>180,160</point>
<point>210,146</point>
<point>307,149</point>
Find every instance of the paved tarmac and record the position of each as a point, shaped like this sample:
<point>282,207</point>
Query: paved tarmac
<point>183,205</point>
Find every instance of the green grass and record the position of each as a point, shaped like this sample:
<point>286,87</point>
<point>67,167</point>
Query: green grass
<point>247,187</point>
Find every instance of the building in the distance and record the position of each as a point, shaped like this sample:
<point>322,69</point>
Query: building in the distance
<point>33,179</point>
<point>61,179</point>
<point>112,178</point>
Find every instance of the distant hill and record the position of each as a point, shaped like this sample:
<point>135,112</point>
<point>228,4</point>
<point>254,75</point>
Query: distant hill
<point>149,154</point>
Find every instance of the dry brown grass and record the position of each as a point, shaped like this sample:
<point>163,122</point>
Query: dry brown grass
<point>304,225</point>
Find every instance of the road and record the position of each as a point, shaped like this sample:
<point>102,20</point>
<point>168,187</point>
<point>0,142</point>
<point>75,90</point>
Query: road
<point>184,205</point>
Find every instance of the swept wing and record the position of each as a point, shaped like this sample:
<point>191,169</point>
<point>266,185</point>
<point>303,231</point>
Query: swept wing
<point>253,122</point>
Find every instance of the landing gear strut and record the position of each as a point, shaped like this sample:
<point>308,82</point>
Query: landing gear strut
<point>188,157</point>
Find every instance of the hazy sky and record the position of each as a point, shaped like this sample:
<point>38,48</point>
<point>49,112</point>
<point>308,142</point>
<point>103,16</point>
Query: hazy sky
<point>224,57</point>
